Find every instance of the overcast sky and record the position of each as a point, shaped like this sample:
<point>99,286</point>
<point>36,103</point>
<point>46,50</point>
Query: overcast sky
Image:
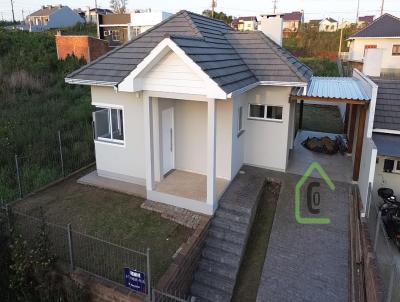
<point>313,9</point>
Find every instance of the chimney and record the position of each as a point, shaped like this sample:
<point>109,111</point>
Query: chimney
<point>272,27</point>
<point>372,62</point>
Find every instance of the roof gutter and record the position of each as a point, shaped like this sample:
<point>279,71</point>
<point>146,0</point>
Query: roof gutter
<point>89,82</point>
<point>266,83</point>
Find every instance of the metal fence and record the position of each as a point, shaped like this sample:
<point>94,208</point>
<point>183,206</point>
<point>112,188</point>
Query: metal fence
<point>387,255</point>
<point>52,157</point>
<point>161,296</point>
<point>96,256</point>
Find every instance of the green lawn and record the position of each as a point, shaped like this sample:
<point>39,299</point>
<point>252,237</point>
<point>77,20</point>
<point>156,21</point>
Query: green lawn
<point>321,118</point>
<point>256,249</point>
<point>111,216</point>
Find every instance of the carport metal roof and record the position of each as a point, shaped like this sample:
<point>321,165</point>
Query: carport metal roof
<point>333,89</point>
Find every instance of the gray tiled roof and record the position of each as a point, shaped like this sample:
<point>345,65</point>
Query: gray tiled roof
<point>387,144</point>
<point>387,112</point>
<point>384,26</point>
<point>219,50</point>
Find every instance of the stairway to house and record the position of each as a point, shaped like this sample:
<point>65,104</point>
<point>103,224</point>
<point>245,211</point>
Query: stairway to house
<point>215,277</point>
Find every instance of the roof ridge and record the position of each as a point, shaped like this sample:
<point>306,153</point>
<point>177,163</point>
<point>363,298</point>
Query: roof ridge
<point>191,22</point>
<point>372,23</point>
<point>282,57</point>
<point>206,17</point>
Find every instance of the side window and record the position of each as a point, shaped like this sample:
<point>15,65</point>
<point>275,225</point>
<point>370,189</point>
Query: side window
<point>265,112</point>
<point>388,165</point>
<point>108,125</point>
<point>396,50</point>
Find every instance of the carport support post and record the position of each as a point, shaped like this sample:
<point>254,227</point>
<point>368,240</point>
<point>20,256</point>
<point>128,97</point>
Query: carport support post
<point>352,125</point>
<point>301,114</point>
<point>360,140</point>
<point>211,173</point>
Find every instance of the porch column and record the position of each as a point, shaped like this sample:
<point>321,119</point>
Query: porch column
<point>211,188</point>
<point>148,141</point>
<point>301,114</point>
<point>352,125</point>
<point>346,119</point>
<point>359,144</point>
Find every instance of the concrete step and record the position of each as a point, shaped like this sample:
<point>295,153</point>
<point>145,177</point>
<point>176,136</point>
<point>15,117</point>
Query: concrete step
<point>215,281</point>
<point>234,207</point>
<point>207,293</point>
<point>234,248</point>
<point>218,268</point>
<point>230,225</point>
<point>220,256</point>
<point>227,235</point>
<point>233,215</point>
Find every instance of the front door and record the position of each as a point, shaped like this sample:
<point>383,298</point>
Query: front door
<point>167,125</point>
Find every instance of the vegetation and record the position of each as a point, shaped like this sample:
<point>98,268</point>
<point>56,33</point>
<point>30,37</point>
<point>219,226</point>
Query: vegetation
<point>28,267</point>
<point>35,103</point>
<point>321,66</point>
<point>218,15</point>
<point>321,118</point>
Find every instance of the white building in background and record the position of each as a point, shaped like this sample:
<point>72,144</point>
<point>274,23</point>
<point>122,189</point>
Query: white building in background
<point>328,25</point>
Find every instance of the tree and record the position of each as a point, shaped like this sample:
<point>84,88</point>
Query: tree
<point>218,15</point>
<point>118,6</point>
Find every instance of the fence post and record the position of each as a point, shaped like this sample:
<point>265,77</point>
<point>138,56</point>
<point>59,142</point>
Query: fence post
<point>378,223</point>
<point>369,200</point>
<point>148,273</point>
<point>18,176</point>
<point>61,153</point>
<point>70,248</point>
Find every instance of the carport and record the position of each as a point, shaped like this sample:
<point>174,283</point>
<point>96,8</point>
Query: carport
<point>336,90</point>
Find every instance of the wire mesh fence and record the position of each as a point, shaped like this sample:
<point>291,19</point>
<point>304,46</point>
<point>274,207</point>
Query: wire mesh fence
<point>52,157</point>
<point>387,255</point>
<point>96,256</point>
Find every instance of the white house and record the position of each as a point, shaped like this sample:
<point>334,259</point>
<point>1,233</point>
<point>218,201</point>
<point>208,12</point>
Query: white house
<point>50,16</point>
<point>383,36</point>
<point>328,25</point>
<point>183,106</point>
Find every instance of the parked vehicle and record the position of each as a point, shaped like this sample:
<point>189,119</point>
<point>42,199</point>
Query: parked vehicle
<point>390,210</point>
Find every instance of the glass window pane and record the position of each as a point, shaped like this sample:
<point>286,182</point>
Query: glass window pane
<point>102,123</point>
<point>398,166</point>
<point>117,124</point>
<point>240,127</point>
<point>257,111</point>
<point>274,112</point>
<point>388,165</point>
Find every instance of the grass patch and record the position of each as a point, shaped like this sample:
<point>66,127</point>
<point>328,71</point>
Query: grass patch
<point>322,119</point>
<point>111,216</point>
<point>251,268</point>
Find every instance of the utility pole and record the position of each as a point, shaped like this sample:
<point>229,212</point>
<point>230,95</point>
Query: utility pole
<point>213,6</point>
<point>274,2</point>
<point>358,11</point>
<point>12,9</point>
<point>383,3</point>
<point>23,17</point>
<point>340,42</point>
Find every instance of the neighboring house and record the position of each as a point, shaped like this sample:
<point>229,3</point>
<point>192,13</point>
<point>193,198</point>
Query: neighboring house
<point>245,23</point>
<point>90,15</point>
<point>49,17</point>
<point>365,20</point>
<point>186,104</point>
<point>345,24</point>
<point>382,38</point>
<point>120,28</point>
<point>183,106</point>
<point>328,25</point>
<point>292,21</point>
<point>386,135</point>
<point>314,24</point>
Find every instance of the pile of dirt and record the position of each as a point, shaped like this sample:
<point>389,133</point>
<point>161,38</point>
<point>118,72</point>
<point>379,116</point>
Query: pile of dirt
<point>324,145</point>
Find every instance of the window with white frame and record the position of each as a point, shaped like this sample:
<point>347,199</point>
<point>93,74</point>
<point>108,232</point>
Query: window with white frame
<point>109,124</point>
<point>391,166</point>
<point>115,35</point>
<point>265,112</point>
<point>396,50</point>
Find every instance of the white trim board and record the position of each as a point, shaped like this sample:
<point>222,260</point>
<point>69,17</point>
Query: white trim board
<point>386,131</point>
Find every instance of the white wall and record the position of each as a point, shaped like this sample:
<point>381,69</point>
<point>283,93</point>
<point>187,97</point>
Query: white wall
<point>122,162</point>
<point>332,26</point>
<point>171,74</point>
<point>64,17</point>
<point>148,19</point>
<point>367,169</point>
<point>388,61</point>
<point>265,143</point>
